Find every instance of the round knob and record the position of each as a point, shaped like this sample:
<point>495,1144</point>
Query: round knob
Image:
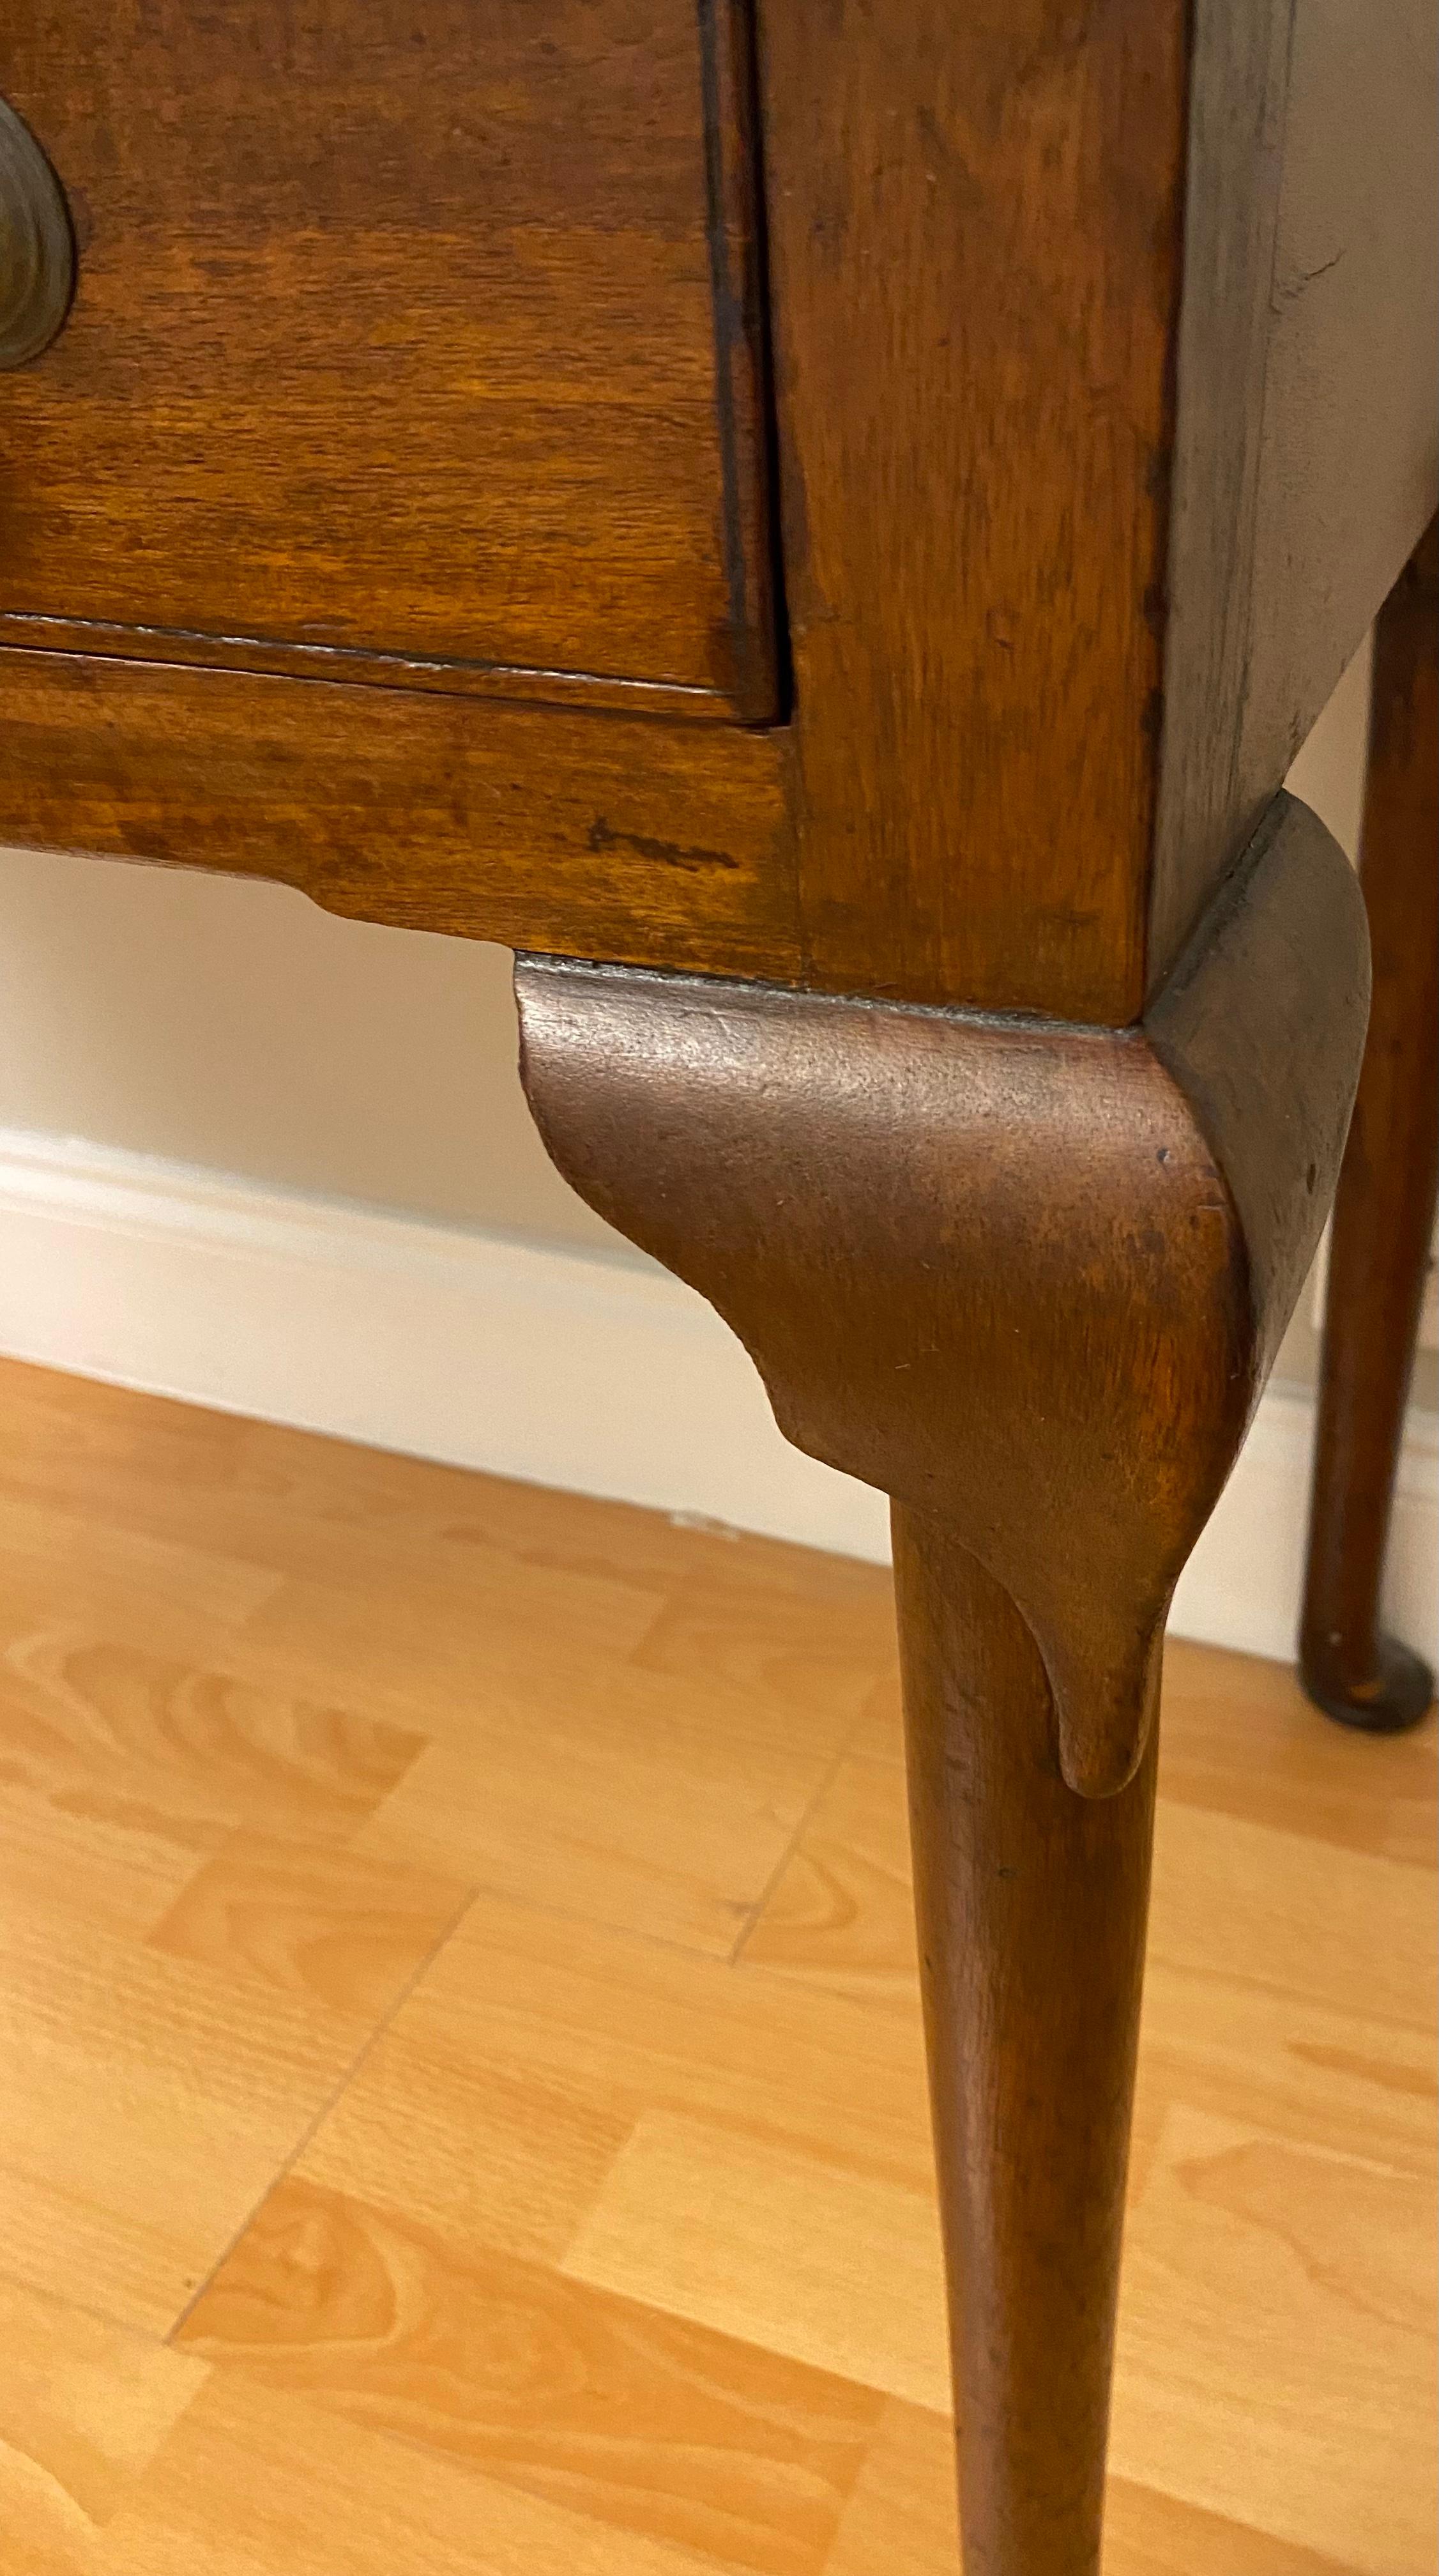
<point>37,247</point>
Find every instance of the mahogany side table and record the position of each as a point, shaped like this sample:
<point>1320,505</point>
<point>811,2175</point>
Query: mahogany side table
<point>821,523</point>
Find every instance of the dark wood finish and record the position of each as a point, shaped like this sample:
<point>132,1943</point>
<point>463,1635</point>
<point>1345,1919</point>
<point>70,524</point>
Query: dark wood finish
<point>1031,1905</point>
<point>623,839</point>
<point>1096,1235</point>
<point>1384,1211</point>
<point>426,351</point>
<point>414,341</point>
<point>975,509</point>
<point>1104,418</point>
<point>1027,1280</point>
<point>1064,586</point>
<point>37,250</point>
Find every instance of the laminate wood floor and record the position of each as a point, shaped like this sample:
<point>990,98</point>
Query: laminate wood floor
<point>462,2106</point>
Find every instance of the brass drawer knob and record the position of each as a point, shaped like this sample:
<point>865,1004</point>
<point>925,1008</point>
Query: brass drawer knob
<point>37,247</point>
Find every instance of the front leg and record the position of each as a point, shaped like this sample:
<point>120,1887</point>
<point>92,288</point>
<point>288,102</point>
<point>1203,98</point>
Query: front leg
<point>1032,1904</point>
<point>1027,1278</point>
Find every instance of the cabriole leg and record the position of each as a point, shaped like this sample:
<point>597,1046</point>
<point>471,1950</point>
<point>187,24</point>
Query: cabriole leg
<point>1027,1280</point>
<point>1032,1905</point>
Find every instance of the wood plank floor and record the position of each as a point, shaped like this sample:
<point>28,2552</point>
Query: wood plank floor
<point>461,2104</point>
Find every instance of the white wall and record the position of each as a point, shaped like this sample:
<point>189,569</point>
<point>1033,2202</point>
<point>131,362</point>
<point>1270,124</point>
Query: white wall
<point>231,1024</point>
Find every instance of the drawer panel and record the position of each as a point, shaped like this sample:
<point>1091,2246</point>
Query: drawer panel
<point>415,341</point>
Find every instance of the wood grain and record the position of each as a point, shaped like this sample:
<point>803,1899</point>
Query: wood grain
<point>344,1930</point>
<point>1145,432</point>
<point>975,516</point>
<point>842,1910</point>
<point>539,2383</point>
<point>1274,2225</point>
<point>406,2363</point>
<point>1303,1782</point>
<point>102,1729</point>
<point>1102,420</point>
<point>597,2033</point>
<point>923,1227</point>
<point>365,394</point>
<point>1029,1282</point>
<point>336,2499</point>
<point>616,1834</point>
<point>774,2248</point>
<point>1031,1905</point>
<point>1306,460</point>
<point>148,2102</point>
<point>84,2409</point>
<point>902,2512</point>
<point>651,840</point>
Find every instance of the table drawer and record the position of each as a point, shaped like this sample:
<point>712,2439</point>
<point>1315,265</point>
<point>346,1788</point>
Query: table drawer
<point>417,342</point>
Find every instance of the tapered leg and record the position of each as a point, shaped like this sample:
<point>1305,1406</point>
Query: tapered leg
<point>1027,1281</point>
<point>1384,1210</point>
<point>1031,1906</point>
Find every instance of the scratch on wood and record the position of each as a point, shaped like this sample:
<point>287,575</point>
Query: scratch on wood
<point>670,854</point>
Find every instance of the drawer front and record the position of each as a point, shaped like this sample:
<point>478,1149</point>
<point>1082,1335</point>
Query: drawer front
<point>414,341</point>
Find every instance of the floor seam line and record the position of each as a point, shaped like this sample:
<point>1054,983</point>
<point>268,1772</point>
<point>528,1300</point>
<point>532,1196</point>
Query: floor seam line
<point>755,1911</point>
<point>331,2102</point>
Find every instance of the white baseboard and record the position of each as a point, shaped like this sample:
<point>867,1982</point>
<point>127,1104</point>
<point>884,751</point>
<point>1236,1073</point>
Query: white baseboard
<point>559,1367</point>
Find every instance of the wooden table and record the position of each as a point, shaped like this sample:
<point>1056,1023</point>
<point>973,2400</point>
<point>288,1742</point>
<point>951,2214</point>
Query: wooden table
<point>824,529</point>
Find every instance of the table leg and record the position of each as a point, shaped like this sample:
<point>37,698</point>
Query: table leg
<point>1384,1210</point>
<point>1026,1279</point>
<point>1032,1905</point>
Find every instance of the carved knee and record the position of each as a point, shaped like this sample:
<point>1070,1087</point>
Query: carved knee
<point>1027,1274</point>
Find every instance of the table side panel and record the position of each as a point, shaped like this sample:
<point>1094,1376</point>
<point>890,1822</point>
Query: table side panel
<point>1308,445</point>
